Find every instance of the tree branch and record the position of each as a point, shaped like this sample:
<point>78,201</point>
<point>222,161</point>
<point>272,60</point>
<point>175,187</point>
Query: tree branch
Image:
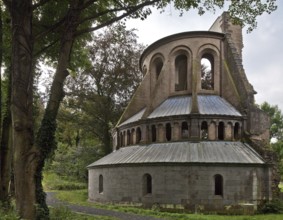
<point>47,47</point>
<point>40,3</point>
<point>127,13</point>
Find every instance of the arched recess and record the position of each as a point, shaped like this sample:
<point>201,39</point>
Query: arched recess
<point>185,130</point>
<point>209,74</point>
<point>147,184</point>
<point>237,134</point>
<point>157,65</point>
<point>221,131</point>
<point>168,132</point>
<point>100,184</point>
<point>153,133</point>
<point>181,72</point>
<point>138,135</point>
<point>181,69</point>
<point>128,137</point>
<point>218,185</point>
<point>204,130</point>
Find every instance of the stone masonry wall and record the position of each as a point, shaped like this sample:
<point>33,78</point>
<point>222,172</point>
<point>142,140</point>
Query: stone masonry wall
<point>180,186</point>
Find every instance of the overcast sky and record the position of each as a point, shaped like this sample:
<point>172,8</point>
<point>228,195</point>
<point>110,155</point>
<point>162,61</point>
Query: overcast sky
<point>262,52</point>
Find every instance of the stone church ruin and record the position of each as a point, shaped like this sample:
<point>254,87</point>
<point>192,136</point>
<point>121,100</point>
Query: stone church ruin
<point>192,135</point>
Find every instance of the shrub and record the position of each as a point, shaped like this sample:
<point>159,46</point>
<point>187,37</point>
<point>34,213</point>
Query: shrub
<point>274,206</point>
<point>8,213</point>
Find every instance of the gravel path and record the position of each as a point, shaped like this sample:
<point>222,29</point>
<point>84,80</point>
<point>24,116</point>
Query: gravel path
<point>52,201</point>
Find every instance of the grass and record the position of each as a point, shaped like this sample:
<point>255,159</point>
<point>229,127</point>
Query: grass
<point>51,181</point>
<point>61,213</point>
<point>80,197</point>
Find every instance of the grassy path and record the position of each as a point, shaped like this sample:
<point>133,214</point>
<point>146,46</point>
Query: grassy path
<point>52,201</point>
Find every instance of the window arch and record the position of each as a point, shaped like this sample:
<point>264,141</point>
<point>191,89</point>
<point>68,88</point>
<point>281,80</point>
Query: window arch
<point>181,70</point>
<point>153,133</point>
<point>138,135</point>
<point>218,185</point>
<point>147,184</point>
<point>237,131</point>
<point>185,130</point>
<point>168,132</point>
<point>128,137</point>
<point>221,131</point>
<point>204,130</point>
<point>121,139</point>
<point>100,184</point>
<point>157,65</point>
<point>132,136</point>
<point>207,72</point>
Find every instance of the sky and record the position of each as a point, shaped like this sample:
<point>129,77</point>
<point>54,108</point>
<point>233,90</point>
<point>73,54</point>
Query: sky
<point>262,52</point>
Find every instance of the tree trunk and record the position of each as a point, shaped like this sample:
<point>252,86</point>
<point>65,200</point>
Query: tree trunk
<point>25,154</point>
<point>45,139</point>
<point>6,148</point>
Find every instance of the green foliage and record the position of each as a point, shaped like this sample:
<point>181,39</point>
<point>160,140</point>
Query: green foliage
<point>72,161</point>
<point>276,130</point>
<point>52,181</point>
<point>8,213</point>
<point>274,206</point>
<point>276,123</point>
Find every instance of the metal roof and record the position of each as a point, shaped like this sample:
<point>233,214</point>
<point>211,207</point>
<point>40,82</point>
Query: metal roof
<point>183,152</point>
<point>179,105</point>
<point>134,118</point>
<point>215,105</point>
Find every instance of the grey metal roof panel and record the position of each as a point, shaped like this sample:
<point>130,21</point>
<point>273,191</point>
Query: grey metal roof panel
<point>134,118</point>
<point>179,105</point>
<point>183,152</point>
<point>215,105</point>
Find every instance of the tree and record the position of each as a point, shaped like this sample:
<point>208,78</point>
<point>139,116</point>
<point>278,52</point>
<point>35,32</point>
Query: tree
<point>276,130</point>
<point>102,91</point>
<point>276,120</point>
<point>37,33</point>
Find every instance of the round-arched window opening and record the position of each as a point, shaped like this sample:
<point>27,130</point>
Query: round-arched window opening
<point>204,130</point>
<point>218,185</point>
<point>181,71</point>
<point>207,72</point>
<point>147,184</point>
<point>157,66</point>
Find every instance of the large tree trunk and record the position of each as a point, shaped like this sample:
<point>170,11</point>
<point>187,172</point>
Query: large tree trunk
<point>45,139</point>
<point>25,154</point>
<point>6,148</point>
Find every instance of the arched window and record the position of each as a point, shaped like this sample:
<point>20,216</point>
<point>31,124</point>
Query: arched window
<point>100,184</point>
<point>221,131</point>
<point>237,131</point>
<point>181,69</point>
<point>153,133</point>
<point>185,130</point>
<point>128,137</point>
<point>218,185</point>
<point>168,132</point>
<point>204,130</point>
<point>121,139</point>
<point>132,136</point>
<point>157,66</point>
<point>138,135</point>
<point>147,184</point>
<point>207,72</point>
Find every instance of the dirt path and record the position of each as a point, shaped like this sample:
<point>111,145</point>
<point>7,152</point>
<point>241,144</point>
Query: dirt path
<point>52,201</point>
